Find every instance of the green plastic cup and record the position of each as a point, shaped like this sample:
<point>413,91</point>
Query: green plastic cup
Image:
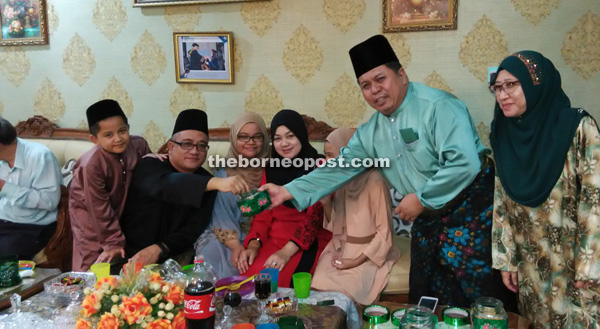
<point>302,284</point>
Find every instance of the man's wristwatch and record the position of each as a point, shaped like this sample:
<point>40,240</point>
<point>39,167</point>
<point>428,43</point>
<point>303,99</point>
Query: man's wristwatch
<point>164,251</point>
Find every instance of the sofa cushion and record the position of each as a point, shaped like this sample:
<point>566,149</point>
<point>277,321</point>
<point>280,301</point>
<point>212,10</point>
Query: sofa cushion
<point>398,282</point>
<point>65,149</point>
<point>401,227</point>
<point>67,171</point>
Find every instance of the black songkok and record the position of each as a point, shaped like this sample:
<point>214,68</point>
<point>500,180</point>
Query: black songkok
<point>371,53</point>
<point>104,109</point>
<point>191,119</point>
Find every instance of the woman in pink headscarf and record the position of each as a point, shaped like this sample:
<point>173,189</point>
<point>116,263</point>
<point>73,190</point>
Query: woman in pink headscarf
<point>358,259</point>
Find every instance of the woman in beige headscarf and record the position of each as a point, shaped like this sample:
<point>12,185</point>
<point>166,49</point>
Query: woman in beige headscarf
<point>358,259</point>
<point>221,242</point>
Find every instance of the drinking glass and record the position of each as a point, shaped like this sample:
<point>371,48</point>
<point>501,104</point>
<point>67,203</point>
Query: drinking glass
<point>232,298</point>
<point>262,291</point>
<point>230,301</point>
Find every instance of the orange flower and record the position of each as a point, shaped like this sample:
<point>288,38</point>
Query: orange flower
<point>174,295</point>
<point>111,280</point>
<point>155,277</point>
<point>135,308</point>
<point>108,321</point>
<point>88,305</point>
<point>159,324</point>
<point>136,267</point>
<point>179,321</point>
<point>83,324</point>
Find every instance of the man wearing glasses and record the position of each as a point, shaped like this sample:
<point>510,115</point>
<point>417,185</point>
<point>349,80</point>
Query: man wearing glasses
<point>170,202</point>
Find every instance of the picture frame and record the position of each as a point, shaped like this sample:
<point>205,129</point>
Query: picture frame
<point>150,3</point>
<point>419,15</point>
<point>23,22</point>
<point>203,57</point>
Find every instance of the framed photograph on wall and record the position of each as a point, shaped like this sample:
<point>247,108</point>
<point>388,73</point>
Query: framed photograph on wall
<point>419,15</point>
<point>205,57</point>
<point>142,3</point>
<point>23,22</point>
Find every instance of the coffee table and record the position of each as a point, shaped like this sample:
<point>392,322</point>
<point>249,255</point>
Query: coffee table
<point>314,316</point>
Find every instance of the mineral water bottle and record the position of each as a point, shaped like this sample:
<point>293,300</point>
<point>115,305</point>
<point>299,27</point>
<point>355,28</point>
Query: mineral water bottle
<point>199,298</point>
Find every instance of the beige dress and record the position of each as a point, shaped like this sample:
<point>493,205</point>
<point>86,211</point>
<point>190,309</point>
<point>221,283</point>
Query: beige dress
<point>361,223</point>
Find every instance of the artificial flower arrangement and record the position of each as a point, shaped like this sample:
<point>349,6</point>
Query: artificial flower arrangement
<point>138,299</point>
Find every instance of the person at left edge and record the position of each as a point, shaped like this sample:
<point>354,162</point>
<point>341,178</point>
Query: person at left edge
<point>29,194</point>
<point>170,202</point>
<point>101,178</point>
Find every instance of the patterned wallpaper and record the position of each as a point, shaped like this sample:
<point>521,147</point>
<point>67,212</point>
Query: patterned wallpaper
<point>287,54</point>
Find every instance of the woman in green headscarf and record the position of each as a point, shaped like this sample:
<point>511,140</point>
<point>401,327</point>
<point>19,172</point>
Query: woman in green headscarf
<point>546,229</point>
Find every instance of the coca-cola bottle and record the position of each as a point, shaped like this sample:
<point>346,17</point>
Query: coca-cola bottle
<point>199,299</point>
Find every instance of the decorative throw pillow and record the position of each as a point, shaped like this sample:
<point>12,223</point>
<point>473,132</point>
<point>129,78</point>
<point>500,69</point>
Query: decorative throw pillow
<point>67,171</point>
<point>401,227</point>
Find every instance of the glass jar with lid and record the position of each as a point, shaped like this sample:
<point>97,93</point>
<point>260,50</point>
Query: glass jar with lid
<point>488,312</point>
<point>418,317</point>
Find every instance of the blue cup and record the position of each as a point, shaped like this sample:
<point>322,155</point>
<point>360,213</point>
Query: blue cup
<point>274,277</point>
<point>268,326</point>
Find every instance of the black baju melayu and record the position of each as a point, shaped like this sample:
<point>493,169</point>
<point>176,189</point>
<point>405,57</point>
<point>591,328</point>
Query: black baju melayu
<point>165,206</point>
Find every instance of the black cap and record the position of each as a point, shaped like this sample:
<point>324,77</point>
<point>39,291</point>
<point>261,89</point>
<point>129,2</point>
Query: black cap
<point>191,119</point>
<point>371,53</point>
<point>104,109</point>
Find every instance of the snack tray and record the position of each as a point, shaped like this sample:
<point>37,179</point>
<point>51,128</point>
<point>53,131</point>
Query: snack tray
<point>55,287</point>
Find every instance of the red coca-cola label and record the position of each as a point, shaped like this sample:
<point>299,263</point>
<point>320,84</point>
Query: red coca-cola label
<point>199,307</point>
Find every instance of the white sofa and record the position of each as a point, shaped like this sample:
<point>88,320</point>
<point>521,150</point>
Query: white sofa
<point>69,144</point>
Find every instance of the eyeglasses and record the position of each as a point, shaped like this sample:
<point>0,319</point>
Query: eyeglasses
<point>508,87</point>
<point>255,138</point>
<point>201,147</point>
